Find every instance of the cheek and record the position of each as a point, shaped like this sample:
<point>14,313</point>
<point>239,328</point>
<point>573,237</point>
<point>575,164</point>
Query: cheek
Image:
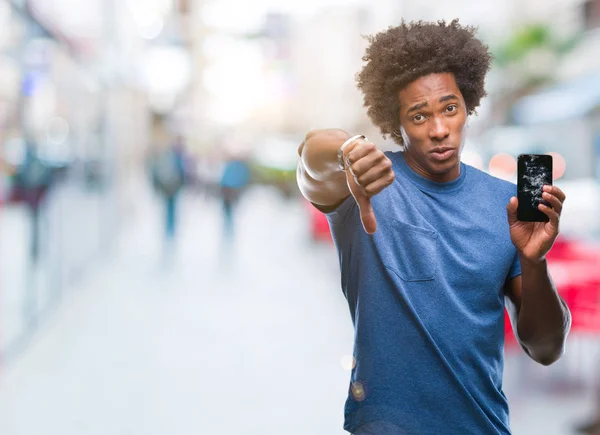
<point>458,124</point>
<point>415,134</point>
<point>413,137</point>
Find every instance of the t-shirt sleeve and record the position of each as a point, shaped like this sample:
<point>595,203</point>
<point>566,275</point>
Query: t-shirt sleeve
<point>341,213</point>
<point>515,269</point>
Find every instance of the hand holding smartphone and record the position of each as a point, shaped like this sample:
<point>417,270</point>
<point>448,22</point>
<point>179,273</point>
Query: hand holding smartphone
<point>533,172</point>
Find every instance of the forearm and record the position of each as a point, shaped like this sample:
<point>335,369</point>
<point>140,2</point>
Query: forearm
<point>318,153</point>
<point>319,177</point>
<point>544,319</point>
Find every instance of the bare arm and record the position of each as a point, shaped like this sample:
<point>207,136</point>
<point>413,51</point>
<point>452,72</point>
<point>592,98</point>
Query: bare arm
<point>319,177</point>
<point>367,172</point>
<point>540,318</point>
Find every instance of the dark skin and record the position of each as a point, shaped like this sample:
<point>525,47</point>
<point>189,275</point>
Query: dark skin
<point>433,115</point>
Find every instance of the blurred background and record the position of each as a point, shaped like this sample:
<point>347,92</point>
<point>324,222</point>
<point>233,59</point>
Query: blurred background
<point>160,272</point>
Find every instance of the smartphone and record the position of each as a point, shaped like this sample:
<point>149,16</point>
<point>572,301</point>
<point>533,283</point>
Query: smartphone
<point>533,172</point>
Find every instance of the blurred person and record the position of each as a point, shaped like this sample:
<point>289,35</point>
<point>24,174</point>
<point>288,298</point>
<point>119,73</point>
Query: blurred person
<point>32,180</point>
<point>234,180</point>
<point>168,177</point>
<point>430,249</point>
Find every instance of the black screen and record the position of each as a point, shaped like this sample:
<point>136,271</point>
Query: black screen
<point>534,171</point>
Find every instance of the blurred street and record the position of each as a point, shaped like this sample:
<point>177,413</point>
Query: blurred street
<point>161,273</point>
<point>240,342</point>
<point>248,339</point>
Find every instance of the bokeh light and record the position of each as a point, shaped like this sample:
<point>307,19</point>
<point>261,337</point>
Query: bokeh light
<point>358,391</point>
<point>348,362</point>
<point>559,165</point>
<point>502,165</point>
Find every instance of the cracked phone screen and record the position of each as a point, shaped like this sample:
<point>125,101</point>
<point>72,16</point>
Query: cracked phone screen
<point>534,171</point>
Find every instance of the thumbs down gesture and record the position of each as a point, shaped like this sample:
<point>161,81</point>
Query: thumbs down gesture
<point>368,172</point>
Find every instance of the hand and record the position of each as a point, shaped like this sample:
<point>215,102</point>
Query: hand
<point>533,240</point>
<point>368,172</point>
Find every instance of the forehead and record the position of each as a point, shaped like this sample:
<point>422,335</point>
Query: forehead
<point>427,88</point>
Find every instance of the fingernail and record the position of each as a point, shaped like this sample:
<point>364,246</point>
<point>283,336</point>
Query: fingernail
<point>547,188</point>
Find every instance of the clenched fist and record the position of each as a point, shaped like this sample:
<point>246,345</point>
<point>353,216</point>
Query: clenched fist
<point>368,172</point>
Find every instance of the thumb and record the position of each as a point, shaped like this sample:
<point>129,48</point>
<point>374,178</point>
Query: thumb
<point>367,215</point>
<point>511,210</point>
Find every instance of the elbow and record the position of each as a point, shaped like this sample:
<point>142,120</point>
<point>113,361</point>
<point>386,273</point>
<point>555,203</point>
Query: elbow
<point>547,354</point>
<point>549,347</point>
<point>550,358</point>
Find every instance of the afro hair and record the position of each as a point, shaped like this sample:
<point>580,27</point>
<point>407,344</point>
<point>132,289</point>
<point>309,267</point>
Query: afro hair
<point>404,53</point>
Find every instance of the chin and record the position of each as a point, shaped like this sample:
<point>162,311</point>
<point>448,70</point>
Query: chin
<point>445,166</point>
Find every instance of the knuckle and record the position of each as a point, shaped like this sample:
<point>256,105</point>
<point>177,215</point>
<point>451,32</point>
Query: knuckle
<point>391,177</point>
<point>350,148</point>
<point>351,158</point>
<point>369,146</point>
<point>354,167</point>
<point>370,190</point>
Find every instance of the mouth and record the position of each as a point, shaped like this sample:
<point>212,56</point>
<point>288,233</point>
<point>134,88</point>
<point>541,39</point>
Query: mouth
<point>442,153</point>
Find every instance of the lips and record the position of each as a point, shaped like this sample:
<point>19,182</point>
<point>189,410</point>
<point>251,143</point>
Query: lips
<point>441,150</point>
<point>442,153</point>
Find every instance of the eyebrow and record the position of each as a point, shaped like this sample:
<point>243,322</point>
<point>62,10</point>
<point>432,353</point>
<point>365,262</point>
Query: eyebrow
<point>419,106</point>
<point>448,97</point>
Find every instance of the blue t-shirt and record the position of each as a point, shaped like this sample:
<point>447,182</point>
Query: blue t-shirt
<point>426,297</point>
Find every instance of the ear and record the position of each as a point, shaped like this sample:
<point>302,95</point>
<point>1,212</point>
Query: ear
<point>405,139</point>
<point>403,146</point>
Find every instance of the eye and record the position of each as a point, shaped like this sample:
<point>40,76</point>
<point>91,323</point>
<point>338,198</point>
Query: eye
<point>418,118</point>
<point>451,108</point>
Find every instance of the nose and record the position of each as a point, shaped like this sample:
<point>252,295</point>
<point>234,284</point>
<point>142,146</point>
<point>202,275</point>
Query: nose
<point>439,129</point>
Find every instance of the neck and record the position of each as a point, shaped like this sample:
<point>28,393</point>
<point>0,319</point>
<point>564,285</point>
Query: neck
<point>440,177</point>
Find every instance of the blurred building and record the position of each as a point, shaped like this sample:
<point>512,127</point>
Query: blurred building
<point>75,82</point>
<point>324,57</point>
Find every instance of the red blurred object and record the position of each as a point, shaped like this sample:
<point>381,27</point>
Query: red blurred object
<point>319,227</point>
<point>575,269</point>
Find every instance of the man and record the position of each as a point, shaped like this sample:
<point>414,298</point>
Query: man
<point>32,182</point>
<point>426,278</point>
<point>234,180</point>
<point>168,177</point>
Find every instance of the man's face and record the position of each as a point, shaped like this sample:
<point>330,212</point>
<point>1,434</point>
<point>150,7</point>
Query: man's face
<point>433,117</point>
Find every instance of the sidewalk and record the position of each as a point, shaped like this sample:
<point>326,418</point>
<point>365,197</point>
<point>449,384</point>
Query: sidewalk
<point>248,345</point>
<point>70,239</point>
